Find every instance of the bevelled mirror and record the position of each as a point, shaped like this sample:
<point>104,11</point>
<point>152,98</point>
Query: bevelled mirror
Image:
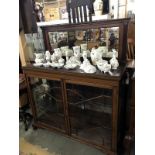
<point>105,38</point>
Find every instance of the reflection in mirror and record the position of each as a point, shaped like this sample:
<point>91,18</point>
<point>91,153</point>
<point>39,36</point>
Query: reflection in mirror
<point>113,38</point>
<point>81,37</point>
<point>93,38</point>
<point>58,39</point>
<point>71,38</point>
<point>53,39</point>
<point>104,38</point>
<point>109,39</point>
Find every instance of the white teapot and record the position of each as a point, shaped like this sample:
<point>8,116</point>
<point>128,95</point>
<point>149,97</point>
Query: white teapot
<point>73,61</point>
<point>57,60</point>
<point>86,65</point>
<point>90,68</point>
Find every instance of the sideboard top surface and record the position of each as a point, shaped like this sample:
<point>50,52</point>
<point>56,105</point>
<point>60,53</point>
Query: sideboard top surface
<point>115,74</point>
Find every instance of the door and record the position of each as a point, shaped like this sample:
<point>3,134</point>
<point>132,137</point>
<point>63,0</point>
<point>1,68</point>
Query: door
<point>90,113</point>
<point>48,102</point>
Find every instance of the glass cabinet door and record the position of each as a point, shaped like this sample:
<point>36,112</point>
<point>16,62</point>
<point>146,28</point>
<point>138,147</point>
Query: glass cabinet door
<point>47,96</point>
<point>90,113</point>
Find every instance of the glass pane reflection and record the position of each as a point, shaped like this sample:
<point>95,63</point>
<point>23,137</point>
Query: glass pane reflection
<point>90,112</point>
<point>48,100</point>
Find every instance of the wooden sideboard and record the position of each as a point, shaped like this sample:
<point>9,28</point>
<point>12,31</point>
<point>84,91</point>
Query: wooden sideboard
<point>85,107</point>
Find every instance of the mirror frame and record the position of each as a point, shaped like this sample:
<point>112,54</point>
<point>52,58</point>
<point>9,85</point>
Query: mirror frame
<point>121,23</point>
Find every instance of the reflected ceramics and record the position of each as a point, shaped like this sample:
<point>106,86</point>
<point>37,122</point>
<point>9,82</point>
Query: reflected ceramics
<point>83,47</point>
<point>63,50</point>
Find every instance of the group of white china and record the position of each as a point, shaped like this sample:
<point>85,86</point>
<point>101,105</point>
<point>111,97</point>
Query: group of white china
<point>73,61</point>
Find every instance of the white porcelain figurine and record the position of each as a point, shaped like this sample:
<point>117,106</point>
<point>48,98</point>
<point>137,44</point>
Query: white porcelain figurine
<point>47,56</point>
<point>73,61</point>
<point>56,58</point>
<point>58,53</point>
<point>95,55</point>
<point>103,66</point>
<point>113,61</point>
<point>86,65</point>
<point>39,59</point>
